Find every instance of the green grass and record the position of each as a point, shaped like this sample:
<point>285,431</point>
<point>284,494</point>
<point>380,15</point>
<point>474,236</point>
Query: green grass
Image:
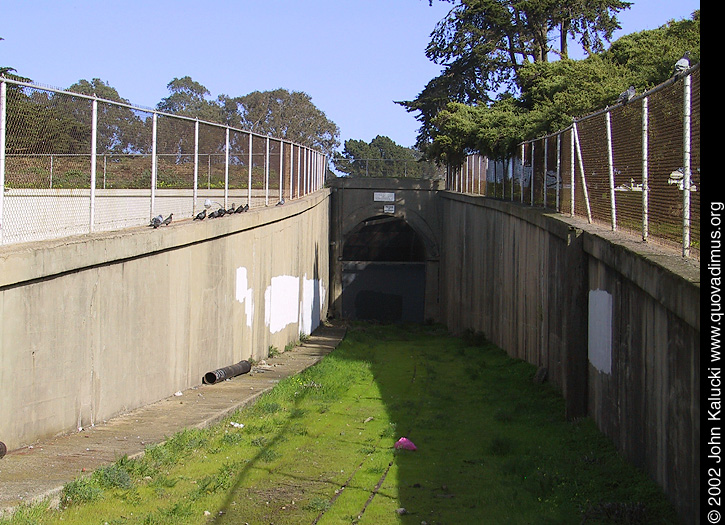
<point>492,447</point>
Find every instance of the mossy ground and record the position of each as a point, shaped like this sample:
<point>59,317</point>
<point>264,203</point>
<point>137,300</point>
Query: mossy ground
<point>492,447</point>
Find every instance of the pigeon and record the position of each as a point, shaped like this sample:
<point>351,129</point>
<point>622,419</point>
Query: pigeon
<point>200,216</point>
<point>221,212</point>
<point>167,220</point>
<point>682,64</point>
<point>240,209</point>
<point>214,214</point>
<point>626,96</point>
<point>281,202</point>
<point>156,221</point>
<point>231,210</point>
<point>246,207</point>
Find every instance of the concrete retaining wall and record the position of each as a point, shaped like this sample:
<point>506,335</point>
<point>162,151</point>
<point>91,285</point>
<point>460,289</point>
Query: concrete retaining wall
<point>615,322</point>
<point>95,325</point>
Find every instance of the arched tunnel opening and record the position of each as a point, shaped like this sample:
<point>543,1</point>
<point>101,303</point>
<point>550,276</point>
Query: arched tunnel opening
<point>383,271</point>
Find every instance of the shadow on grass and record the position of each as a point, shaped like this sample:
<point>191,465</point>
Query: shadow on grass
<point>492,444</point>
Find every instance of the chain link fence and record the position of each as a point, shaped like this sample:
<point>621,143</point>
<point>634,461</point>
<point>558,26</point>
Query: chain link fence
<point>72,164</point>
<point>634,167</point>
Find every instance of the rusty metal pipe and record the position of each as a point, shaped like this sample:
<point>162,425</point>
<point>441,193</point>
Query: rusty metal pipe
<point>220,374</point>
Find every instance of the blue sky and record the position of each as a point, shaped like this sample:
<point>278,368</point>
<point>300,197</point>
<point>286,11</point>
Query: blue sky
<point>354,58</point>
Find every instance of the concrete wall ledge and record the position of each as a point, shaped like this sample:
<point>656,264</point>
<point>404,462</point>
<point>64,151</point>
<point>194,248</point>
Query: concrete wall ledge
<point>22,263</point>
<point>663,273</point>
<point>544,219</point>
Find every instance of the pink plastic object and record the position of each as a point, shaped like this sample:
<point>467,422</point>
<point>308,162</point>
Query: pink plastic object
<point>405,444</point>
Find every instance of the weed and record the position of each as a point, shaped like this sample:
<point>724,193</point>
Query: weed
<point>317,504</point>
<point>269,408</point>
<point>163,481</point>
<point>297,413</point>
<point>112,476</point>
<point>181,509</point>
<point>268,455</point>
<point>273,351</point>
<point>475,338</point>
<point>260,442</point>
<point>232,438</point>
<point>81,490</point>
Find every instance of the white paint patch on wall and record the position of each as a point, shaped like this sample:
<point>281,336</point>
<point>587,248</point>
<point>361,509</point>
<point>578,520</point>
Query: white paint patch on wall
<point>313,297</point>
<point>244,294</point>
<point>600,330</point>
<point>281,302</point>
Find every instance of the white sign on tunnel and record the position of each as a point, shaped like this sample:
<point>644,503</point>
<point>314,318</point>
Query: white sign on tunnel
<point>383,196</point>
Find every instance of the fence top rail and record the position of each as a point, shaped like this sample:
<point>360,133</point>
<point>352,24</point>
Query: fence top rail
<point>32,85</point>
<point>607,109</point>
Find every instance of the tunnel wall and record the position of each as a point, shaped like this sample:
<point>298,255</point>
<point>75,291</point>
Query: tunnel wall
<point>96,325</point>
<point>615,322</point>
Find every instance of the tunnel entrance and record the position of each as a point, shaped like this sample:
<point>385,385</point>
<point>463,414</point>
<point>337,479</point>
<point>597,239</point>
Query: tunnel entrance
<point>383,272</point>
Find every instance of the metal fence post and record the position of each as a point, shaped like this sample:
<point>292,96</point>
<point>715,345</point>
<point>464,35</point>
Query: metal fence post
<point>571,167</point>
<point>521,174</point>
<point>266,173</point>
<point>610,162</point>
<point>94,136</point>
<point>581,169</point>
<point>546,166</point>
<point>196,165</point>
<point>226,165</point>
<point>154,162</point>
<point>686,171</point>
<point>510,162</point>
<point>533,146</point>
<point>645,168</point>
<point>249,180</point>
<point>316,172</point>
<point>281,165</point>
<point>3,119</point>
<point>558,168</point>
<point>299,170</point>
<point>292,152</point>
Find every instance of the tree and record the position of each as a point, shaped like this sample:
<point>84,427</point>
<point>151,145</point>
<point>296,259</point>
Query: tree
<point>382,157</point>
<point>492,130</point>
<point>282,114</point>
<point>483,44</point>
<point>188,98</point>
<point>120,130</point>
<point>38,125</point>
<point>551,94</point>
<point>650,55</point>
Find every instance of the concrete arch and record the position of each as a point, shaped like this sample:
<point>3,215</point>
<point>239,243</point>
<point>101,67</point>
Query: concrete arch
<point>411,217</point>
